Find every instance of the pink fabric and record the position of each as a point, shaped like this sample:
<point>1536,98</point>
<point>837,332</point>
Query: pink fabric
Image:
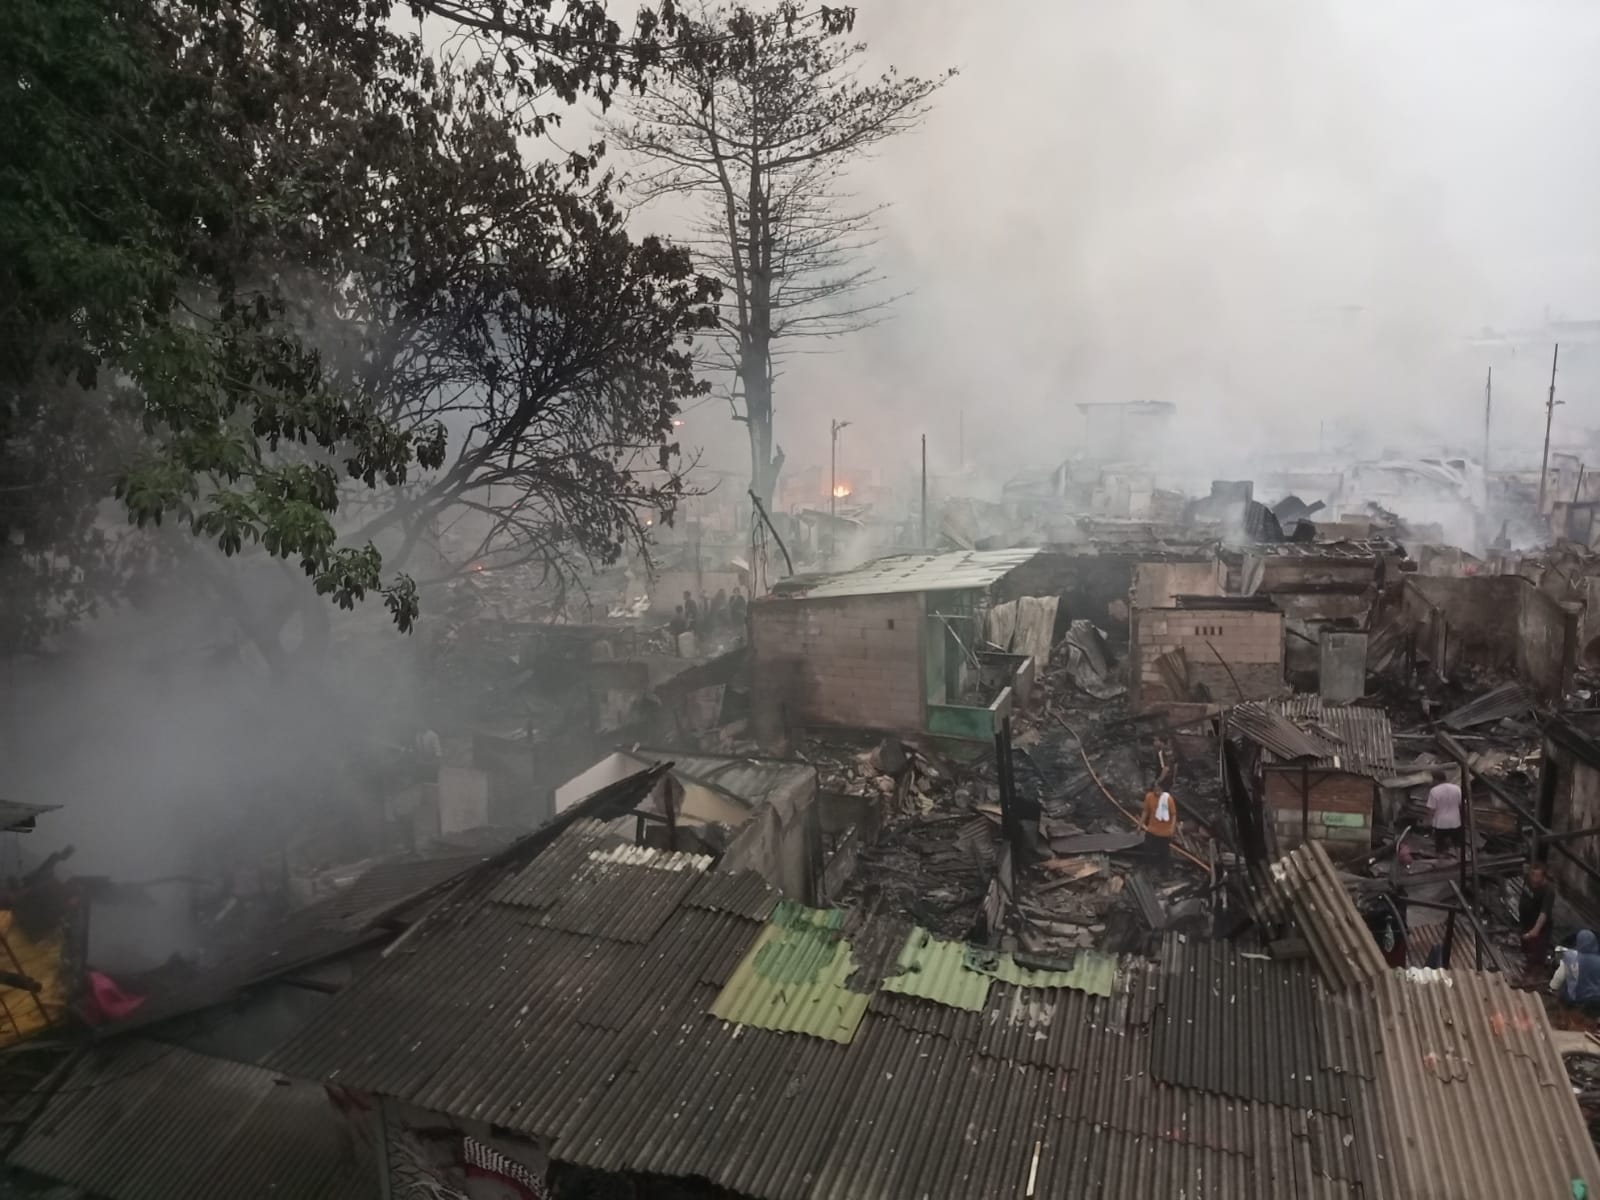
<point>108,1002</point>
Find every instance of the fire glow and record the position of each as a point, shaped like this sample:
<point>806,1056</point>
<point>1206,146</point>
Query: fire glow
<point>841,490</point>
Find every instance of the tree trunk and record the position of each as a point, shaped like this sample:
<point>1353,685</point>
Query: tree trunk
<point>764,464</point>
<point>755,357</point>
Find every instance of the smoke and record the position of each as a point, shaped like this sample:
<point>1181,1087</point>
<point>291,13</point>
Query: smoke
<point>1285,219</point>
<point>173,749</point>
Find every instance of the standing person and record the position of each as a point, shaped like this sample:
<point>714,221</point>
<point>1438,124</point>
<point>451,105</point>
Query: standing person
<point>736,608</point>
<point>677,627</point>
<point>1444,813</point>
<point>691,612</point>
<point>1160,820</point>
<point>1577,979</point>
<point>1534,914</point>
<point>718,611</point>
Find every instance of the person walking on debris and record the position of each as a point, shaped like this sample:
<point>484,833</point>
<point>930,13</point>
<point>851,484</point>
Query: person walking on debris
<point>1533,914</point>
<point>1160,819</point>
<point>1577,979</point>
<point>1444,812</point>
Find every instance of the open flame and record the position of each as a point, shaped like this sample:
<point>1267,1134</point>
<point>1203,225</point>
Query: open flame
<point>840,491</point>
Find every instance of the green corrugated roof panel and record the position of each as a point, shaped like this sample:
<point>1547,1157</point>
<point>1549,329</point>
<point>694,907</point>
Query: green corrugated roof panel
<point>792,978</point>
<point>1090,972</point>
<point>931,968</point>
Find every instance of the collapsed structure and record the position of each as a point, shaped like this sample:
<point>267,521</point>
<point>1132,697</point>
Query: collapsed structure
<point>874,904</point>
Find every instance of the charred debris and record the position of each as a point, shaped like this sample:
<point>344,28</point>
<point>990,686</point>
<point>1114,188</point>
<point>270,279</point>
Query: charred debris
<point>775,821</point>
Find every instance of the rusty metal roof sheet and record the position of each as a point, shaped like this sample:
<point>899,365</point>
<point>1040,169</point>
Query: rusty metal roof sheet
<point>142,1120</point>
<point>1303,889</point>
<point>1274,732</point>
<point>1357,738</point>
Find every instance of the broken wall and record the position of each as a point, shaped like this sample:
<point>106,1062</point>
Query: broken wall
<point>1571,801</point>
<point>849,662</point>
<point>1092,587</point>
<point>1159,584</point>
<point>1502,624</point>
<point>1236,654</point>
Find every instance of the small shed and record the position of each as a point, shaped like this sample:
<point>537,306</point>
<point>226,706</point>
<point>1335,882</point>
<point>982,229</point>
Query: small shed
<point>1317,768</point>
<point>893,645</point>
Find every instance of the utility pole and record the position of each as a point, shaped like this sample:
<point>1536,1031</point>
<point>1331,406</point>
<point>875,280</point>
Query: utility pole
<point>1549,416</point>
<point>833,486</point>
<point>1488,399</point>
<point>924,491</point>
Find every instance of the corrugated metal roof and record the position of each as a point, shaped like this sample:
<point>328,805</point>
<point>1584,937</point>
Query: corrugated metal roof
<point>931,968</point>
<point>1471,1086</point>
<point>17,817</point>
<point>1091,971</point>
<point>1360,737</point>
<point>1303,890</point>
<point>142,1120</point>
<point>909,573</point>
<point>743,893</point>
<point>609,1051</point>
<point>1275,733</point>
<point>1508,700</point>
<point>1215,1001</point>
<point>390,886</point>
<point>793,978</point>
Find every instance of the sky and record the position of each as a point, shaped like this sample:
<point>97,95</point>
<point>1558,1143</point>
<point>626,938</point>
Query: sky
<point>1280,217</point>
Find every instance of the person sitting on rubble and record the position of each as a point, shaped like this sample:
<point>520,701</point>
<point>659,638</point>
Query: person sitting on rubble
<point>1577,978</point>
<point>1160,820</point>
<point>1444,814</point>
<point>1534,911</point>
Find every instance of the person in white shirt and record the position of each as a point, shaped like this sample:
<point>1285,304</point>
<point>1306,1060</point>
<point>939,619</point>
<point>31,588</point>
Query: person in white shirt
<point>1444,809</point>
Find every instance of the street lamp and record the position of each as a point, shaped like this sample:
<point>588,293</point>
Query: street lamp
<point>833,486</point>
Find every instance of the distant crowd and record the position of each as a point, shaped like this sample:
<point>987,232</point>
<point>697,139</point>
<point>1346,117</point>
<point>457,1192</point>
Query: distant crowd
<point>709,614</point>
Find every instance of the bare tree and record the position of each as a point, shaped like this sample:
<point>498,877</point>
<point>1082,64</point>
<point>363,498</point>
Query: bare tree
<point>760,118</point>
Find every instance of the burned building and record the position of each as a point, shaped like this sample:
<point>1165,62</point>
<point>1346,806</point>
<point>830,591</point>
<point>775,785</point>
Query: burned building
<point>1569,799</point>
<point>1205,649</point>
<point>1315,769</point>
<point>1499,625</point>
<point>893,645</point>
<point>752,814</point>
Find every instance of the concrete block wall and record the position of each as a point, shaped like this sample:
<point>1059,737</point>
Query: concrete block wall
<point>1339,811</point>
<point>1250,642</point>
<point>851,662</point>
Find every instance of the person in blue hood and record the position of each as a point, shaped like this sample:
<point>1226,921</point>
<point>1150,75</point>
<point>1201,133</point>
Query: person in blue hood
<point>1577,980</point>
